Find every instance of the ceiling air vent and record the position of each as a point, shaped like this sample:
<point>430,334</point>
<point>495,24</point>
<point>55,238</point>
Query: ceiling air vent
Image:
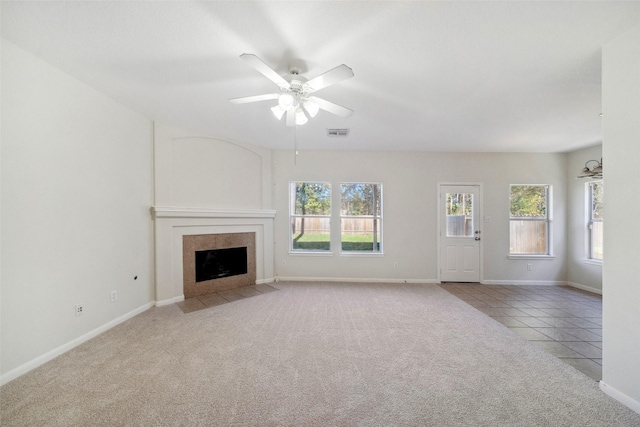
<point>338,132</point>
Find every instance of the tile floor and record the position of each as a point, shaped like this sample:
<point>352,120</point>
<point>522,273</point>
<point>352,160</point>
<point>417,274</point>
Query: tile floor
<point>211,300</point>
<point>564,321</point>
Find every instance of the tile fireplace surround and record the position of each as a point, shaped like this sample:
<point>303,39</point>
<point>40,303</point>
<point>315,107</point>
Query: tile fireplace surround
<point>199,242</point>
<point>173,223</point>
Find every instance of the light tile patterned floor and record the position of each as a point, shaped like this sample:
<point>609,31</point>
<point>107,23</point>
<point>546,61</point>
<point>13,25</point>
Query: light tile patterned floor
<point>223,297</point>
<point>564,321</point>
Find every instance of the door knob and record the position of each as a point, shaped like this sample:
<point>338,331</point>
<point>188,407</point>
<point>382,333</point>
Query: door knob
<point>477,238</point>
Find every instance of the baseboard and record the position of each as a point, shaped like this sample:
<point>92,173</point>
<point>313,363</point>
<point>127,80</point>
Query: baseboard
<point>627,401</point>
<point>265,281</point>
<point>524,282</point>
<point>542,283</point>
<point>169,301</point>
<point>585,288</point>
<point>351,279</point>
<point>41,360</point>
<point>484,282</point>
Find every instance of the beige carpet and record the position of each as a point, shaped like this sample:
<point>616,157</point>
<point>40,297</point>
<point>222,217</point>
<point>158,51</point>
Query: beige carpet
<point>312,354</point>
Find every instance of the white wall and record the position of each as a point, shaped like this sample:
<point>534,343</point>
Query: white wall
<point>76,191</point>
<point>621,281</point>
<point>581,273</point>
<point>193,170</point>
<point>410,210</point>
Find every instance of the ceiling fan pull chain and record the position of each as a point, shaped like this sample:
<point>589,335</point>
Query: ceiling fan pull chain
<point>295,145</point>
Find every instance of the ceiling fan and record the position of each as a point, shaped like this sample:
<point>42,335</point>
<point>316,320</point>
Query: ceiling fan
<point>295,97</point>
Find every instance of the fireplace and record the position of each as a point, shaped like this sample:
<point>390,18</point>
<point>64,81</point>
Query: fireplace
<point>214,264</point>
<point>218,262</point>
<point>173,223</point>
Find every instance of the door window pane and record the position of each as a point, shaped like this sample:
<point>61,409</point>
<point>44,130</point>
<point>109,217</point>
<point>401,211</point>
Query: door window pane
<point>459,212</point>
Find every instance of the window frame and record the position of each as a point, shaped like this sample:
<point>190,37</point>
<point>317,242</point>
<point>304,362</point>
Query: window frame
<point>293,215</point>
<point>548,221</point>
<point>590,221</point>
<point>374,217</point>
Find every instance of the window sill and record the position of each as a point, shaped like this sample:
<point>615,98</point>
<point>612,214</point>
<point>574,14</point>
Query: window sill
<point>362,254</point>
<point>310,253</point>
<point>592,261</point>
<point>545,257</point>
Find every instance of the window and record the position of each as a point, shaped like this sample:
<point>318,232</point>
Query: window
<point>361,217</point>
<point>595,219</point>
<point>459,214</point>
<point>529,219</point>
<point>310,216</point>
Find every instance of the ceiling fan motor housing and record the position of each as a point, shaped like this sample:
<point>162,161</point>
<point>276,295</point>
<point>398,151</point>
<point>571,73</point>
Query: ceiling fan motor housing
<point>298,90</point>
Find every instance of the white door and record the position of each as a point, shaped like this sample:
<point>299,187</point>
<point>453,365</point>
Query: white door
<point>459,233</point>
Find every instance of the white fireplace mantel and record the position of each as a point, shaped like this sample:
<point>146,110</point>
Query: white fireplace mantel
<point>174,222</point>
<point>181,212</point>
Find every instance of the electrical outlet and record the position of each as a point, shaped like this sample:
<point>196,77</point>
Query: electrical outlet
<point>114,295</point>
<point>529,267</point>
<point>395,264</point>
<point>78,309</point>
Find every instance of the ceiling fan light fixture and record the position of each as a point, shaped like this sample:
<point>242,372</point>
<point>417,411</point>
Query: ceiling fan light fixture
<point>278,112</point>
<point>301,118</point>
<point>286,101</point>
<point>294,98</point>
<point>311,107</point>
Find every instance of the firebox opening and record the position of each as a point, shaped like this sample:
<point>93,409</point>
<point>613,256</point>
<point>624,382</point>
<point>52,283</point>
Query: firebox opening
<point>218,263</point>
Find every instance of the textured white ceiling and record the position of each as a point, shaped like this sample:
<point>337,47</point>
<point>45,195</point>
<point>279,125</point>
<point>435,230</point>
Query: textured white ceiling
<point>436,76</point>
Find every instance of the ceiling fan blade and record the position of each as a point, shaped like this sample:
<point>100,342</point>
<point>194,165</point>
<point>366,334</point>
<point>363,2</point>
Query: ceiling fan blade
<point>264,69</point>
<point>336,109</point>
<point>255,98</point>
<point>338,74</point>
<point>291,117</point>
